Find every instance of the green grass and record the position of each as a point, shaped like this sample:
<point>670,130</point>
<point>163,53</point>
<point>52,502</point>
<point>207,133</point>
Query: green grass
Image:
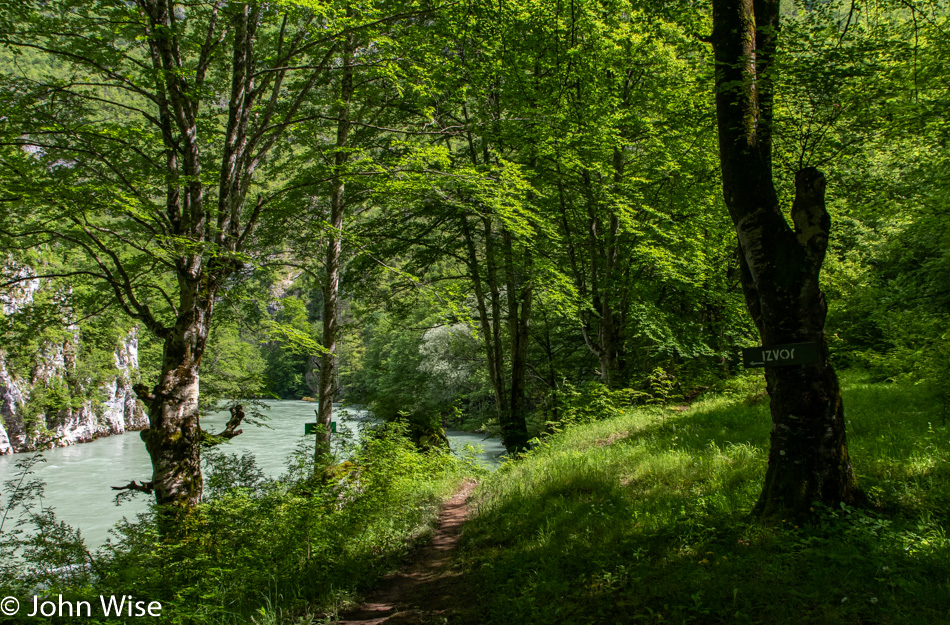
<point>644,518</point>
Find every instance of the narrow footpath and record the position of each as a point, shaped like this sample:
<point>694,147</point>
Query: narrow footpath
<point>426,590</point>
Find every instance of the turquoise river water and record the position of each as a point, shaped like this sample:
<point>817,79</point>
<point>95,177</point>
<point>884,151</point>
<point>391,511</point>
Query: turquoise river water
<point>78,477</point>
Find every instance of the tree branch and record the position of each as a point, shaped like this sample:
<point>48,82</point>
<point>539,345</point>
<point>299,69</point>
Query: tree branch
<point>144,487</point>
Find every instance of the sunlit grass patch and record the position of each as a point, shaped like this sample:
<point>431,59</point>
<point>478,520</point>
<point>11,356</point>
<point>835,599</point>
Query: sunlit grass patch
<point>644,518</point>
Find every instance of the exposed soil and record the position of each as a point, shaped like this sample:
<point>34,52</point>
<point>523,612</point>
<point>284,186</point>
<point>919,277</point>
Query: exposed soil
<point>427,590</point>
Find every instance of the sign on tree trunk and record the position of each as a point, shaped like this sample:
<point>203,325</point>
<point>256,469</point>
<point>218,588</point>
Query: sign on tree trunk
<point>781,355</point>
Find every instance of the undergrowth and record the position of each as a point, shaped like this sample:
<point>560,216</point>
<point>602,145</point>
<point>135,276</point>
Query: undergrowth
<point>644,518</point>
<point>294,550</point>
<point>638,518</point>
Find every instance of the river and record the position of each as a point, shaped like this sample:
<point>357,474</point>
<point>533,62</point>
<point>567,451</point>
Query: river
<point>78,477</point>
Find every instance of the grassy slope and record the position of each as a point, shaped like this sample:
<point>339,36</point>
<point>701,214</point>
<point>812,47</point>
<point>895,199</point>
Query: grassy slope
<point>644,519</point>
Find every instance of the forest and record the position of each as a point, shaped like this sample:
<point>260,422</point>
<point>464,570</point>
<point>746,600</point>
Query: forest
<point>561,223</point>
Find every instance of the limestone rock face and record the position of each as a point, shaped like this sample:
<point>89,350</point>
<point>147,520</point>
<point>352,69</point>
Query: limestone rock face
<point>117,413</point>
<point>114,408</point>
<point>19,294</point>
<point>121,411</point>
<point>11,398</point>
<point>5,447</point>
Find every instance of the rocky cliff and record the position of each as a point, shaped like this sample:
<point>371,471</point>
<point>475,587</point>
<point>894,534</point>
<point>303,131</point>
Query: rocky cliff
<point>52,404</point>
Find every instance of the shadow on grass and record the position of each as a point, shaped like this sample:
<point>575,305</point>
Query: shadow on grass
<point>654,527</point>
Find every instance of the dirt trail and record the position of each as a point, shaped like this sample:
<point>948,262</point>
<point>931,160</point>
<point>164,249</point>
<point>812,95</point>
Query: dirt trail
<point>425,590</point>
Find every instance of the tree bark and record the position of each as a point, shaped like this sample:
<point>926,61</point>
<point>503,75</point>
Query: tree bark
<point>331,286</point>
<point>808,456</point>
<point>514,429</point>
<point>495,364</point>
<point>174,434</point>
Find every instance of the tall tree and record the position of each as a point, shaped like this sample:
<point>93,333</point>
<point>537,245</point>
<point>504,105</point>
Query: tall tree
<point>332,267</point>
<point>619,160</point>
<point>505,282</point>
<point>143,146</point>
<point>781,262</point>
<point>343,156</point>
<point>485,197</point>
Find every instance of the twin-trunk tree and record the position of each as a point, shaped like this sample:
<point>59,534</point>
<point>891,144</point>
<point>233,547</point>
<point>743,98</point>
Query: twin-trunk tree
<point>808,458</point>
<point>512,284</point>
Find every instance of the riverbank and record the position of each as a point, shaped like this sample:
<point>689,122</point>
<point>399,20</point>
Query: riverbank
<point>78,477</point>
<point>279,551</point>
<point>644,518</point>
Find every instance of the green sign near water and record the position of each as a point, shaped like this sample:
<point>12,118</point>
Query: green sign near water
<point>781,355</point>
<point>311,428</point>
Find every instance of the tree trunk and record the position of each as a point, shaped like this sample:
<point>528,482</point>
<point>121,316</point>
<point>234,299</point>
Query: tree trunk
<point>808,457</point>
<point>495,364</point>
<point>551,372</point>
<point>604,329</point>
<point>611,328</point>
<point>514,429</point>
<point>331,294</point>
<point>494,292</point>
<point>609,352</point>
<point>331,286</point>
<point>509,398</point>
<point>174,433</point>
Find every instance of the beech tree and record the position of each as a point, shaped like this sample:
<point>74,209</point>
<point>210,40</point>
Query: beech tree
<point>780,262</point>
<point>142,143</point>
<point>333,261</point>
<point>344,156</point>
<point>500,242</point>
<point>626,180</point>
<point>462,223</point>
